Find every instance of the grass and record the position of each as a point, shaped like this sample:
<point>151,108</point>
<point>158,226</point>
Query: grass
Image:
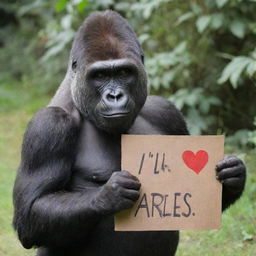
<point>16,108</point>
<point>237,236</point>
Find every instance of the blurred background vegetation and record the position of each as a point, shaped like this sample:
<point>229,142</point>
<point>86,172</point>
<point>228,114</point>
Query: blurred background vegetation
<point>200,54</point>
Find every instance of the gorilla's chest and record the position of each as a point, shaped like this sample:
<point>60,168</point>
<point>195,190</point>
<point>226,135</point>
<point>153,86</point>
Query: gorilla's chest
<point>98,156</point>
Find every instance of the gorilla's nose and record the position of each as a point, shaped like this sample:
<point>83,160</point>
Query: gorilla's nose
<point>116,98</point>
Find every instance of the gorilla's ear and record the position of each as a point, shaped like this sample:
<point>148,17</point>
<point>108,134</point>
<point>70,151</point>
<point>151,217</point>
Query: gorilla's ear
<point>142,58</point>
<point>74,66</point>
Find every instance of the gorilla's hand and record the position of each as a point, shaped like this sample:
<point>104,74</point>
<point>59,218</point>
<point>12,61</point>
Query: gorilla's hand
<point>231,172</point>
<point>119,193</point>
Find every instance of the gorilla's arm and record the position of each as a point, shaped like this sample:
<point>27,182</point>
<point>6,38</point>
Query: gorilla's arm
<point>45,213</point>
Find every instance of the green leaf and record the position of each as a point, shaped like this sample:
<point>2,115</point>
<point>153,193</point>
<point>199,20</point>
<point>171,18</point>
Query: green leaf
<point>30,7</point>
<point>184,17</point>
<point>204,107</point>
<point>66,21</point>
<point>104,3</point>
<point>81,6</point>
<point>237,28</point>
<point>251,68</point>
<point>143,38</point>
<point>179,98</point>
<point>122,6</point>
<point>234,70</point>
<point>196,123</point>
<point>167,78</point>
<point>203,22</point>
<point>60,5</point>
<point>221,3</point>
<point>58,44</point>
<point>53,51</point>
<point>240,138</point>
<point>217,20</point>
<point>180,48</point>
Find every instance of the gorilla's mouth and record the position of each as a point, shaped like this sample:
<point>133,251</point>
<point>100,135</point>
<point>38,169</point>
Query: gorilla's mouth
<point>115,114</point>
<point>114,121</point>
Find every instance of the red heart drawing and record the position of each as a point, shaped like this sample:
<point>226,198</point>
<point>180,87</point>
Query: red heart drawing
<point>197,161</point>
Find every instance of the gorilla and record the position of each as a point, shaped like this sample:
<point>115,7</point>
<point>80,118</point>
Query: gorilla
<point>70,183</point>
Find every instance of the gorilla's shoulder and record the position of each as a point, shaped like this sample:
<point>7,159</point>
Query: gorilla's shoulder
<point>164,114</point>
<point>158,103</point>
<point>50,124</point>
<point>159,107</point>
<point>53,118</point>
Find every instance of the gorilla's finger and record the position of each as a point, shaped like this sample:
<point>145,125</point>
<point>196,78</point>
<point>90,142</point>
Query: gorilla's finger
<point>234,171</point>
<point>131,194</point>
<point>129,175</point>
<point>129,183</point>
<point>227,162</point>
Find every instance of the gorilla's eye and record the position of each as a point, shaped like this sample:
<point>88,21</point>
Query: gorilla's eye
<point>124,72</point>
<point>99,75</point>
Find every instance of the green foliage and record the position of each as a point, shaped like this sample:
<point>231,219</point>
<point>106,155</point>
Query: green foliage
<point>213,69</point>
<point>203,22</point>
<point>199,54</point>
<point>221,3</point>
<point>60,5</point>
<point>233,71</point>
<point>164,67</point>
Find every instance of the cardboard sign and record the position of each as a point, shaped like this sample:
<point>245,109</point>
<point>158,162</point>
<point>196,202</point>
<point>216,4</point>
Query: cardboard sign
<point>179,188</point>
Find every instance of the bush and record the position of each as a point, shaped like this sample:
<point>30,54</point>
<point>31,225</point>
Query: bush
<point>200,55</point>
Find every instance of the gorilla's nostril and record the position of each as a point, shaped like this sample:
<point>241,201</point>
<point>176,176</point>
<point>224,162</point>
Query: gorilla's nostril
<point>111,97</point>
<point>119,96</point>
<point>114,96</point>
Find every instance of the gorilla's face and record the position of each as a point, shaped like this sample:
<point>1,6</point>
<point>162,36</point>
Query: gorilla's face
<point>110,84</point>
<point>110,93</point>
